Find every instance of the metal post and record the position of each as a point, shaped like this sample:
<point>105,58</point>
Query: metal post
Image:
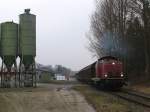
<point>35,72</point>
<point>19,74</point>
<point>2,74</point>
<point>15,71</point>
<point>32,73</point>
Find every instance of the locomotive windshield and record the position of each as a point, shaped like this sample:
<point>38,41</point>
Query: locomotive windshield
<point>113,61</point>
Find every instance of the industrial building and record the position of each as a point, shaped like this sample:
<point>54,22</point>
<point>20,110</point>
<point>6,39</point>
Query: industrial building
<point>18,41</point>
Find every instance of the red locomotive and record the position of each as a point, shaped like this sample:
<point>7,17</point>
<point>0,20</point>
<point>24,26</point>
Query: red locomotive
<point>105,72</point>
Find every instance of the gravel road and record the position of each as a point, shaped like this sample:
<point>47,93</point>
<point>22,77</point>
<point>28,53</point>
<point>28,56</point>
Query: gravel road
<point>45,98</point>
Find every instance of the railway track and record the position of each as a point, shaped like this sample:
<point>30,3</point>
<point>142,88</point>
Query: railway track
<point>134,96</point>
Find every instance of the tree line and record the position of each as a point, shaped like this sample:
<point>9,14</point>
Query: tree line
<point>57,69</point>
<point>122,28</point>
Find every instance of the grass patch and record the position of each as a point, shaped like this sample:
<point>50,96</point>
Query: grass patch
<point>144,87</point>
<point>104,102</point>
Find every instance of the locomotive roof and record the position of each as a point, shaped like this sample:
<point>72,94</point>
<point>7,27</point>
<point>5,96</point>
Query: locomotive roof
<point>105,57</point>
<point>108,57</point>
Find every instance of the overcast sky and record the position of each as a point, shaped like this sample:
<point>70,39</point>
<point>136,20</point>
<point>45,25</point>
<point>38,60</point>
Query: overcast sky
<point>61,28</point>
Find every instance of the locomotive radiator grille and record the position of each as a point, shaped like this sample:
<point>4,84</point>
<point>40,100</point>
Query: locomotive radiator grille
<point>113,75</point>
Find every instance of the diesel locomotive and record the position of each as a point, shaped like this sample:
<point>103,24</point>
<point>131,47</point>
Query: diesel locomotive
<point>105,72</point>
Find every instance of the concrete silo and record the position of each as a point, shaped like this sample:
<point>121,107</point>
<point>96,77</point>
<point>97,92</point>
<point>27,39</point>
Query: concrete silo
<point>27,48</point>
<point>9,51</point>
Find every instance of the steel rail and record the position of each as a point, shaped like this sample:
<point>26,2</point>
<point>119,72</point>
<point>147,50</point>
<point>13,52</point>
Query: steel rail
<point>133,97</point>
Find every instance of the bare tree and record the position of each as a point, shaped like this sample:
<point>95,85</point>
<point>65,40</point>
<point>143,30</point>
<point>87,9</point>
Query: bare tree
<point>142,10</point>
<point>108,24</point>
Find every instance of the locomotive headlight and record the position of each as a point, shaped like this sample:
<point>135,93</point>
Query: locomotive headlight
<point>106,75</point>
<point>122,75</point>
<point>113,63</point>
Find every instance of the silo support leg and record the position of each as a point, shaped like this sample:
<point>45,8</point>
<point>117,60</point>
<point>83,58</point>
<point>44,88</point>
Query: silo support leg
<point>15,65</point>
<point>2,74</point>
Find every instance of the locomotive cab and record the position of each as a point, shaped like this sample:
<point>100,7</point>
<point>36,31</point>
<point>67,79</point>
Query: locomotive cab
<point>109,71</point>
<point>109,68</point>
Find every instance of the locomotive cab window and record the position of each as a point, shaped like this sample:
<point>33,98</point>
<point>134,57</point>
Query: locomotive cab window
<point>112,61</point>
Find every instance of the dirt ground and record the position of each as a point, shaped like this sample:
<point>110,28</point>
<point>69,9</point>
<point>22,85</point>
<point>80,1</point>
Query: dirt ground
<point>45,98</point>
